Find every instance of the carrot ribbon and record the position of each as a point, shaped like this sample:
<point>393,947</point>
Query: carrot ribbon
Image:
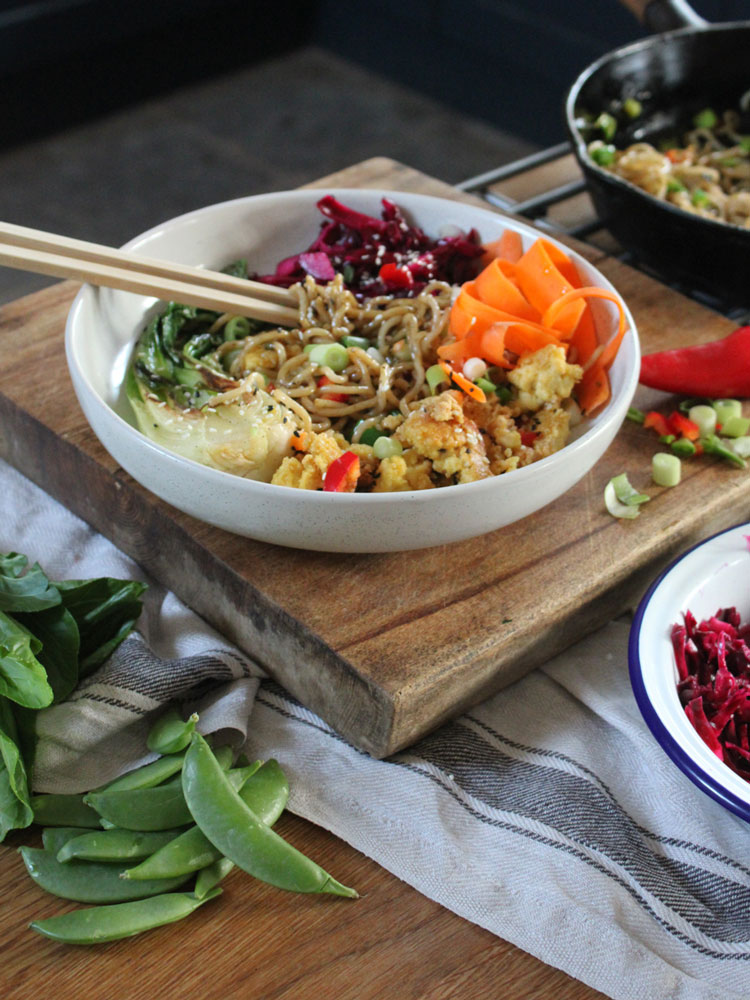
<point>524,300</point>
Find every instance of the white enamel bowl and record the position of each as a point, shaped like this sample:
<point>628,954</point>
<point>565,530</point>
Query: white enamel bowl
<point>103,325</point>
<point>712,575</point>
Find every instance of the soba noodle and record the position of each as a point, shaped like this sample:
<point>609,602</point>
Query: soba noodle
<point>387,376</point>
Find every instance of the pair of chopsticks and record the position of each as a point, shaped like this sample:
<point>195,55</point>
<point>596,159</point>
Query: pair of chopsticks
<point>62,257</point>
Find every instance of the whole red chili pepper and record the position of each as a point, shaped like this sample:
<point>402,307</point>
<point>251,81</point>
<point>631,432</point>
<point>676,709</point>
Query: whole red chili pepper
<point>720,368</point>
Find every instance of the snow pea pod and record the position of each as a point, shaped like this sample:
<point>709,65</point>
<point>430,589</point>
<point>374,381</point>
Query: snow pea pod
<point>160,808</point>
<point>210,876</point>
<point>114,845</point>
<point>171,733</point>
<point>63,810</point>
<point>89,881</point>
<point>235,830</point>
<point>98,924</point>
<point>56,837</point>
<point>265,792</point>
<point>146,776</point>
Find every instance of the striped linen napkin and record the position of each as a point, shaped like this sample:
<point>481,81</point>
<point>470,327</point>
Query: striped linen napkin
<point>548,814</point>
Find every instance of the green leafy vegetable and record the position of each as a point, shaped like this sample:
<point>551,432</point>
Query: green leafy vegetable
<point>15,799</point>
<point>22,677</point>
<point>24,591</point>
<point>104,611</point>
<point>51,635</point>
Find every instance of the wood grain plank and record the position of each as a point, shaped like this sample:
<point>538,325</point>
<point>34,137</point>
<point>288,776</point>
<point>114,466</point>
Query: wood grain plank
<point>255,941</point>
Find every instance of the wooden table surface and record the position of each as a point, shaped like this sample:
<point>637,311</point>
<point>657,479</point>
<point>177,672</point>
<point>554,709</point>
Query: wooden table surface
<point>258,942</point>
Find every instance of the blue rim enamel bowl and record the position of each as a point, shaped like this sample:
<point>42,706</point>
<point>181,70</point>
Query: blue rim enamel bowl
<point>713,574</point>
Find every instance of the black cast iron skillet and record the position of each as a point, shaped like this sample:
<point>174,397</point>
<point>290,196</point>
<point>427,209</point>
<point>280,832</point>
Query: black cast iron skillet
<point>674,73</point>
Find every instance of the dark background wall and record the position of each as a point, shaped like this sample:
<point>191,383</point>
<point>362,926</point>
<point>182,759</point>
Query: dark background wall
<point>506,61</point>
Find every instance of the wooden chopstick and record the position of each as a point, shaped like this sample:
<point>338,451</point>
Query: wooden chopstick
<point>64,257</point>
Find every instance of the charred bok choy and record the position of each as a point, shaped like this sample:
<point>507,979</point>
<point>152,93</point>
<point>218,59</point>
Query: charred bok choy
<point>51,635</point>
<point>184,396</point>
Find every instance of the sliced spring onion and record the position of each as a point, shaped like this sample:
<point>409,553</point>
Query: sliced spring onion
<point>352,341</point>
<point>740,446</point>
<point>601,154</point>
<point>333,356</point>
<point>613,505</point>
<point>683,447</point>
<point>705,417</point>
<point>386,447</point>
<point>607,124</point>
<point>485,385</point>
<point>726,408</point>
<point>637,416</point>
<point>666,469</point>
<point>735,427</point>
<point>706,119</point>
<point>632,107</point>
<point>435,376</point>
<point>375,354</point>
<point>713,445</point>
<point>370,436</point>
<point>625,492</point>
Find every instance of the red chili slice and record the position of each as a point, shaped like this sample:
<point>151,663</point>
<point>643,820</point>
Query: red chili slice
<point>659,423</point>
<point>396,277</point>
<point>342,474</point>
<point>680,424</point>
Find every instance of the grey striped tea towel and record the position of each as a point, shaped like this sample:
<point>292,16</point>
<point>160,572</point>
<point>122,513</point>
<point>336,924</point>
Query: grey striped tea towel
<point>548,815</point>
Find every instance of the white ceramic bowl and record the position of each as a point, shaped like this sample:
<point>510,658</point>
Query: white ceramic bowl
<point>712,575</point>
<point>103,325</point>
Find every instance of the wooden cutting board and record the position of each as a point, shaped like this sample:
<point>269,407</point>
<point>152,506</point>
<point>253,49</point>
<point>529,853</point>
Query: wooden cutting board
<point>383,647</point>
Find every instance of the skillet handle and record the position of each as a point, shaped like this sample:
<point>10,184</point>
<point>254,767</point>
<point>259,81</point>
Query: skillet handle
<point>663,15</point>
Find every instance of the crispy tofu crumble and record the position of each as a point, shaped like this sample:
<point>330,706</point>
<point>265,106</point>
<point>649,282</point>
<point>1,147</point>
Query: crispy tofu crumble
<point>451,438</point>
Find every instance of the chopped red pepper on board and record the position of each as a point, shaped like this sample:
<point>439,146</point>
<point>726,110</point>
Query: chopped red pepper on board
<point>659,423</point>
<point>342,474</point>
<point>682,425</point>
<point>718,369</point>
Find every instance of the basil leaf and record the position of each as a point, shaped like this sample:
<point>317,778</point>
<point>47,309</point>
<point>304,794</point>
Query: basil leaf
<point>15,800</point>
<point>105,610</point>
<point>57,630</point>
<point>24,591</point>
<point>22,677</point>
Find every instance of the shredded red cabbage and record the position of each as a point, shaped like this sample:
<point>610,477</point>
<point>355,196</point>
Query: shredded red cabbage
<point>713,666</point>
<point>378,256</point>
